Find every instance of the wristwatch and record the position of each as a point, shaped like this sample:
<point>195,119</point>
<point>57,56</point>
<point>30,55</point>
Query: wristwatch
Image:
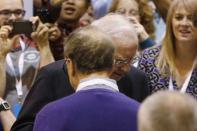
<point>4,106</point>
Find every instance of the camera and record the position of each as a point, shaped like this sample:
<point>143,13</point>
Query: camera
<point>48,16</point>
<point>49,11</point>
<point>45,16</point>
<point>22,27</point>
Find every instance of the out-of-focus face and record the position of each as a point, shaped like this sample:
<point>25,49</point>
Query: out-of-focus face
<point>72,10</point>
<point>123,58</point>
<point>144,124</point>
<point>10,10</point>
<point>183,28</point>
<point>129,8</point>
<point>87,18</point>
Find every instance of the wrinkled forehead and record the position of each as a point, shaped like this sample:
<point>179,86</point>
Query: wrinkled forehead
<point>125,35</point>
<point>11,4</point>
<point>124,48</point>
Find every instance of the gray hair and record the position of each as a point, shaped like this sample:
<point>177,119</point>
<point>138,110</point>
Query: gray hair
<point>91,49</point>
<point>168,111</point>
<point>117,26</point>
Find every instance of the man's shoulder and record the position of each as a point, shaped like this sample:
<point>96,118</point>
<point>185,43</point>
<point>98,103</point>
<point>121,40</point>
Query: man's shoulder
<point>89,106</point>
<point>103,96</point>
<point>134,74</point>
<point>92,96</point>
<point>55,67</point>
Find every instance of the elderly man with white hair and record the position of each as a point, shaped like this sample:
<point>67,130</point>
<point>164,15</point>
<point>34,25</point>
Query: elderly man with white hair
<point>52,82</point>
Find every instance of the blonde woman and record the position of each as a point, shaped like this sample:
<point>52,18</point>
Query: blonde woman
<point>172,66</point>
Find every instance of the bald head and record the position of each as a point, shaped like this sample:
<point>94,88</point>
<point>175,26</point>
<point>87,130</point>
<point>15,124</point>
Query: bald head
<point>117,26</point>
<point>168,111</point>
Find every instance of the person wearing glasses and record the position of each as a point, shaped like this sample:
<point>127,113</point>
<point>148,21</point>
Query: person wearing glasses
<point>21,55</point>
<point>6,13</point>
<point>96,93</point>
<point>131,81</point>
<point>140,15</point>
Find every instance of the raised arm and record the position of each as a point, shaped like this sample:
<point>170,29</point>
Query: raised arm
<point>162,7</point>
<point>40,36</point>
<point>6,45</point>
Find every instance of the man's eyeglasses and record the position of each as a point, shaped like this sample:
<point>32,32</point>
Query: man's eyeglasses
<point>121,62</point>
<point>8,13</point>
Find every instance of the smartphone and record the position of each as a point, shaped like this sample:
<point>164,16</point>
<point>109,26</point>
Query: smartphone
<point>22,27</point>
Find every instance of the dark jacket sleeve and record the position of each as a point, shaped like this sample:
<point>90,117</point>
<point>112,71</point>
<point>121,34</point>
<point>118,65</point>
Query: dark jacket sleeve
<point>134,85</point>
<point>49,85</point>
<point>146,44</point>
<point>139,83</point>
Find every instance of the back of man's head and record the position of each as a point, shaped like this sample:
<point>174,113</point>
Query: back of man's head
<point>168,111</point>
<point>118,27</point>
<point>91,50</point>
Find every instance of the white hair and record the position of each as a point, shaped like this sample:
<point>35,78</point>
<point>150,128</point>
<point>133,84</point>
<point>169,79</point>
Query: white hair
<point>168,111</point>
<point>117,26</point>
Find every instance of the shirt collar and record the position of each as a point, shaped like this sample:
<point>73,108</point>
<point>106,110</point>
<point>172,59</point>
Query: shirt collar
<point>91,83</point>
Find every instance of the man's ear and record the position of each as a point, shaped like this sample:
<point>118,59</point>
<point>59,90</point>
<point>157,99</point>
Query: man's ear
<point>71,66</point>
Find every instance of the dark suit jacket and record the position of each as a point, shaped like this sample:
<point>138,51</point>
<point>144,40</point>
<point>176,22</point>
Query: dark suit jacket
<point>52,83</point>
<point>134,85</point>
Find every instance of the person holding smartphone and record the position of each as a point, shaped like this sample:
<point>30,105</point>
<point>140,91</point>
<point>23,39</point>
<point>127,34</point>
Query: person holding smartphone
<point>22,56</point>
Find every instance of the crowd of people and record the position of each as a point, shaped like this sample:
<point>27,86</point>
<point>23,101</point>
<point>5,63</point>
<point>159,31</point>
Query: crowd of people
<point>95,65</point>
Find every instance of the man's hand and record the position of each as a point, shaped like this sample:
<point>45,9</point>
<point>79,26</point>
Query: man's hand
<point>40,35</point>
<point>142,34</point>
<point>54,32</point>
<point>6,44</point>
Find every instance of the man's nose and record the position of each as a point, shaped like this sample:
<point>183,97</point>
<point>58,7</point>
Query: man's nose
<point>125,68</point>
<point>12,17</point>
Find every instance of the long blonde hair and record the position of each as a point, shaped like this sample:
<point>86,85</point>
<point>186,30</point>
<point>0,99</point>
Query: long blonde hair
<point>166,59</point>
